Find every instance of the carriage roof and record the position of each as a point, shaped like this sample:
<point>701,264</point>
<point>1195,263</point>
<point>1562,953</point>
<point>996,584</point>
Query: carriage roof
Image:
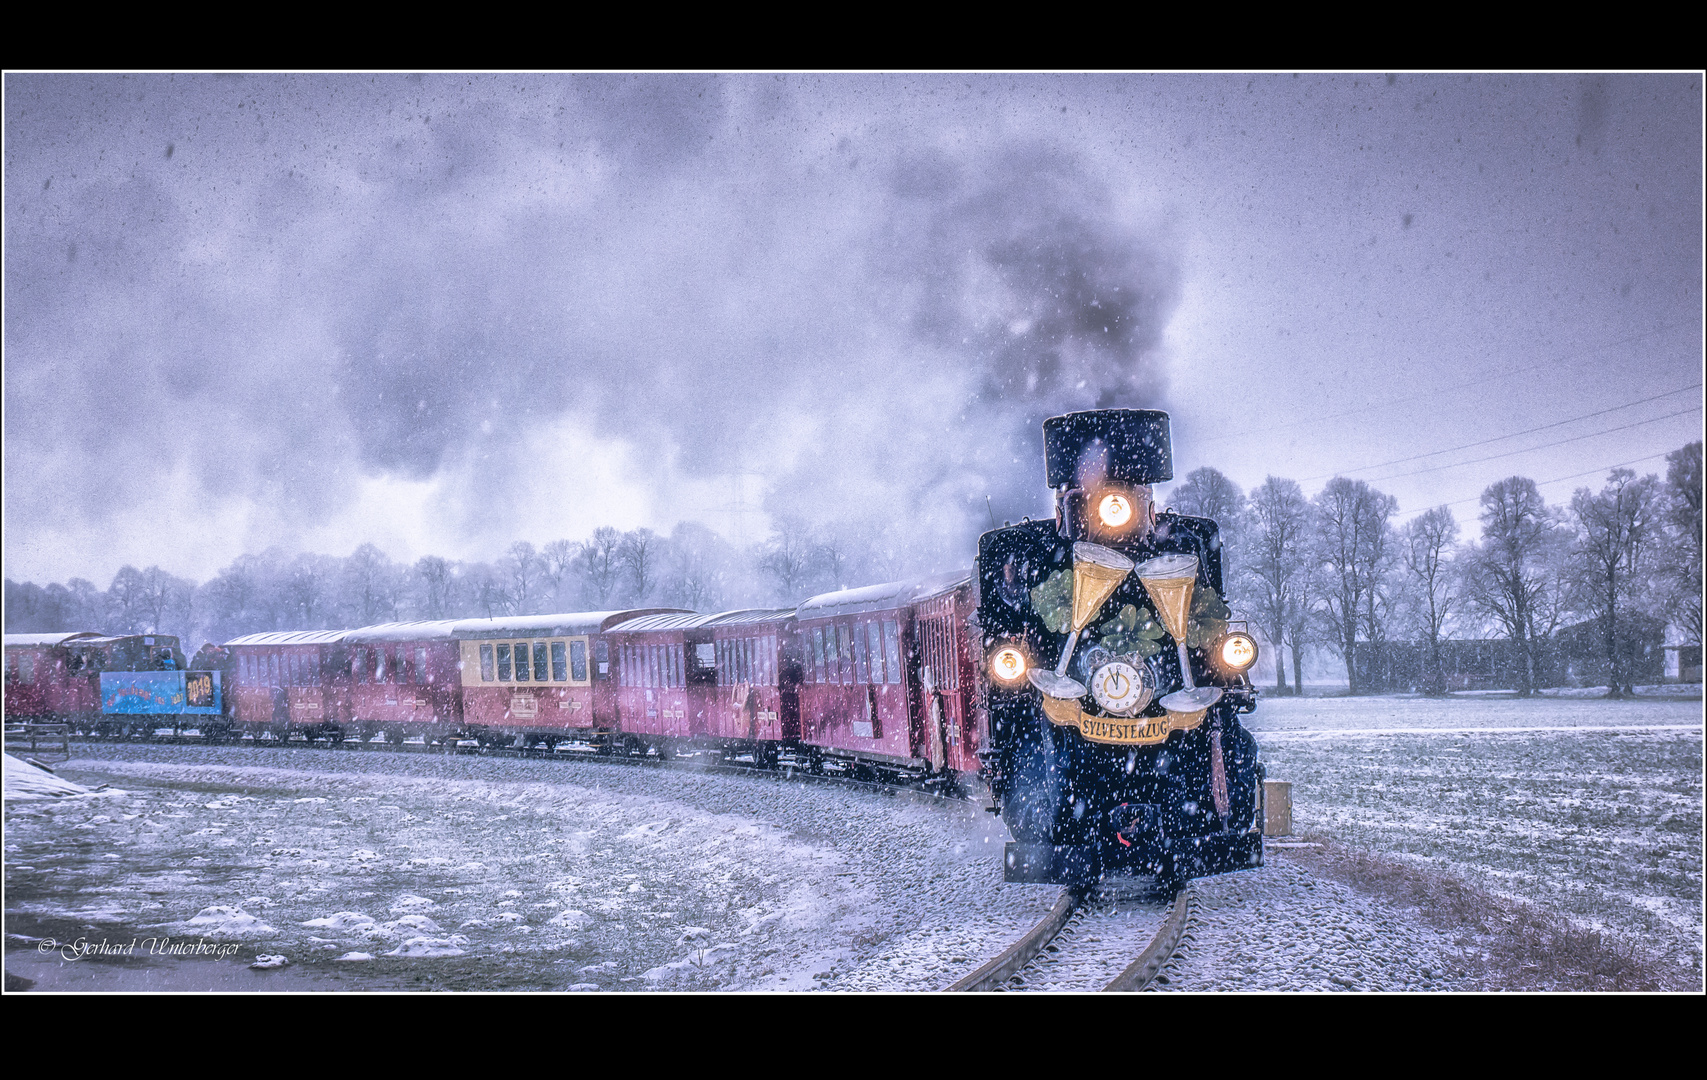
<point>895,594</point>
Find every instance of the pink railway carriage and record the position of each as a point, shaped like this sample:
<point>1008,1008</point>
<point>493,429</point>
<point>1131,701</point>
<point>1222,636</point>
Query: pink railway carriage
<point>720,681</point>
<point>887,679</point>
<point>403,681</point>
<point>56,678</point>
<point>290,681</point>
<point>535,679</point>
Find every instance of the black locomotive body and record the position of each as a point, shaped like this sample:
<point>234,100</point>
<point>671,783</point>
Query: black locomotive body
<point>1114,771</point>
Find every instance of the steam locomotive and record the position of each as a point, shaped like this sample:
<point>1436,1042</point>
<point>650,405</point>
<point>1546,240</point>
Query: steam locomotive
<point>1086,670</point>
<point>1114,684</point>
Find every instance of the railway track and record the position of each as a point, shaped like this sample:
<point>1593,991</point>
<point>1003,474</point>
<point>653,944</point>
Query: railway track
<point>1106,940</point>
<point>931,789</point>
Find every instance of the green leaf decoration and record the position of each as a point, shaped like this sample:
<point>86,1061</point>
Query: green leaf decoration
<point>1133,630</point>
<point>1053,600</point>
<point>1209,614</point>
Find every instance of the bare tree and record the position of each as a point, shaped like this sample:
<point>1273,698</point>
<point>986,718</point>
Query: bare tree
<point>1516,563</point>
<point>307,591</point>
<point>1352,549</point>
<point>372,586</point>
<point>698,562</point>
<point>525,573</point>
<point>787,557</point>
<point>1428,541</point>
<point>600,565</point>
<point>436,579</point>
<point>1617,532</point>
<point>1276,560</point>
<point>1682,519</point>
<point>559,558</point>
<point>638,557</point>
<point>1207,492</point>
<point>489,591</point>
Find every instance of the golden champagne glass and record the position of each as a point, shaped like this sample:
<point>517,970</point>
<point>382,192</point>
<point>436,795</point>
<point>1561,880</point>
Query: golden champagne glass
<point>1170,580</point>
<point>1097,572</point>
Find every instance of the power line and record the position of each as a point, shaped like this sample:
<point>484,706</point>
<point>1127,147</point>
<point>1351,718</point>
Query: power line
<point>1362,409</point>
<point>1543,446</point>
<point>1502,438</point>
<point>1555,480</point>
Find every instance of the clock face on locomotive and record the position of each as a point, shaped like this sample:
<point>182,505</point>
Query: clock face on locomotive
<point>1114,682</point>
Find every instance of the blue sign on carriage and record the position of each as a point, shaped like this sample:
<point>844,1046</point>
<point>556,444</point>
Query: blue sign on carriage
<point>169,692</point>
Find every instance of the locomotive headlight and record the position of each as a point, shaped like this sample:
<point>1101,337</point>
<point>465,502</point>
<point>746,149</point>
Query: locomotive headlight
<point>1235,653</point>
<point>1007,664</point>
<point>1114,510</point>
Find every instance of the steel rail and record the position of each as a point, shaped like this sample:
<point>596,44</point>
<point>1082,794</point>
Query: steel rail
<point>1015,957</point>
<point>1143,971</point>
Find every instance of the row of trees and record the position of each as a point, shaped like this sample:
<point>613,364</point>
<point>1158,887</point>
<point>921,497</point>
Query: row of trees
<point>691,568</point>
<point>1335,570</point>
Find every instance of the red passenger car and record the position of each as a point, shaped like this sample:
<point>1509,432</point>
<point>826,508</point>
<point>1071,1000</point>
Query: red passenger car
<point>285,682</point>
<point>887,679</point>
<point>402,682</point>
<point>718,681</point>
<point>540,678</point>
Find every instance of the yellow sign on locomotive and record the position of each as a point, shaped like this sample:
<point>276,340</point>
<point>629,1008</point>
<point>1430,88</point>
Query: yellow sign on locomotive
<point>1137,731</point>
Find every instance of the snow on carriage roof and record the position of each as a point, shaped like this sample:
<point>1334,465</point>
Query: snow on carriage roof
<point>291,637</point>
<point>881,597</point>
<point>752,615</point>
<point>418,630</point>
<point>47,639</point>
<point>582,622</point>
<point>691,621</point>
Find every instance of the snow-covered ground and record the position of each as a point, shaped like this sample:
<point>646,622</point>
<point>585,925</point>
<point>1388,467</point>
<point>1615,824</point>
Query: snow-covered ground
<point>408,871</point>
<point>474,873</point>
<point>1587,807</point>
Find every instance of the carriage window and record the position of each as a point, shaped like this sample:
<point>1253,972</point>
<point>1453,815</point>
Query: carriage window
<point>540,674</point>
<point>770,660</point>
<point>273,669</point>
<point>27,667</point>
<point>816,672</point>
<point>578,661</point>
<point>862,664</point>
<point>874,644</point>
<point>503,663</point>
<point>832,658</point>
<point>486,672</point>
<point>559,662</point>
<point>421,666</point>
<point>892,648</point>
<point>521,661</point>
<point>722,664</point>
<point>358,666</point>
<point>847,656</point>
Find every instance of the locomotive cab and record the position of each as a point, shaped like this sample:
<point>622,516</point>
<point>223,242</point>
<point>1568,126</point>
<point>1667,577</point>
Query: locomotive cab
<point>1113,684</point>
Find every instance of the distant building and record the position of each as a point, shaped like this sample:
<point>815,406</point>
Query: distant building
<point>1573,656</point>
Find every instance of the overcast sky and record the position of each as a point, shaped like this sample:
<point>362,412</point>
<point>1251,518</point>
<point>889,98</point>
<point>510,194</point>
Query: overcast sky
<point>447,312</point>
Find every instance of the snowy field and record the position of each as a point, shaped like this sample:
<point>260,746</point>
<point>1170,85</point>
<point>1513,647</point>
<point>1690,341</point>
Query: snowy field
<point>387,871</point>
<point>1583,806</point>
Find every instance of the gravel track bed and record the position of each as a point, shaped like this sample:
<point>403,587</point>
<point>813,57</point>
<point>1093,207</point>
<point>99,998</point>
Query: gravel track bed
<point>1096,945</point>
<point>1282,928</point>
